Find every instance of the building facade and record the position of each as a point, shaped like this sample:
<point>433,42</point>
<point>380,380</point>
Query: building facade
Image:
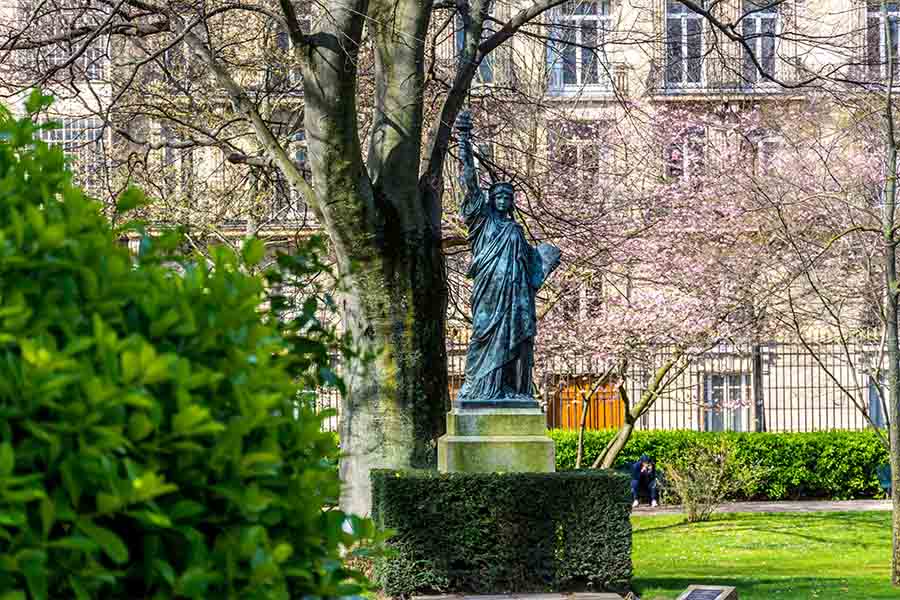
<point>575,98</point>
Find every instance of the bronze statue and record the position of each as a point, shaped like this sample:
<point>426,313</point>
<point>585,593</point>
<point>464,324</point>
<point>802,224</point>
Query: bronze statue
<point>507,272</point>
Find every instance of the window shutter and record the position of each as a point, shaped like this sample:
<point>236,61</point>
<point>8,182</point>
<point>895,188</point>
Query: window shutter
<point>714,45</point>
<point>658,64</point>
<point>445,44</point>
<point>502,56</point>
<point>731,50</point>
<point>554,51</point>
<point>857,38</point>
<point>788,56</point>
<point>717,147</point>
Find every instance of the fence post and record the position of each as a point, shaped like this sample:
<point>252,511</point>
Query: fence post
<point>758,396</point>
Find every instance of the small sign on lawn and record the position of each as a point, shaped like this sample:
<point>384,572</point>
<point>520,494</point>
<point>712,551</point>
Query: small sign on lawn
<point>709,592</point>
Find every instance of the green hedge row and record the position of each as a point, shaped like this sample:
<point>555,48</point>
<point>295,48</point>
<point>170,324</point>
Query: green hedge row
<point>835,464</point>
<point>503,532</point>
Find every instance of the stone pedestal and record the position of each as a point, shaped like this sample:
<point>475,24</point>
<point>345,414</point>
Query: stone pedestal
<point>490,440</point>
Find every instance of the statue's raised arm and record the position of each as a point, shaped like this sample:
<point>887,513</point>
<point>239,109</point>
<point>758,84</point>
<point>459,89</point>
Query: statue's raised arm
<point>474,201</point>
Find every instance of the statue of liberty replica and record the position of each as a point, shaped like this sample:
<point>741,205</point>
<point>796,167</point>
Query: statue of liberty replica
<point>496,424</point>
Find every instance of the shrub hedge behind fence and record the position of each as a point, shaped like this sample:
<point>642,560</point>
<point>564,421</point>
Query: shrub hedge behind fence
<point>833,464</point>
<point>503,532</point>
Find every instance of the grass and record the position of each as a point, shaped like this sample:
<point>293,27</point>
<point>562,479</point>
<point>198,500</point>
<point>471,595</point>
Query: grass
<point>818,556</point>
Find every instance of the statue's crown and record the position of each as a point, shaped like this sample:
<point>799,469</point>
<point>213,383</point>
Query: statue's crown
<point>496,187</point>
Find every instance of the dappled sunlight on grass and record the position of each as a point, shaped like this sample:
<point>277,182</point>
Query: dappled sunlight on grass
<point>792,556</point>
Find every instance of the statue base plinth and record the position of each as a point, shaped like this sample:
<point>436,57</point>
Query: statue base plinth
<point>529,403</point>
<point>489,440</point>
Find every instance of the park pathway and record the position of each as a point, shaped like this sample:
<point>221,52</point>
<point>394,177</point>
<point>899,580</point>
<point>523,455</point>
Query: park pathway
<point>790,506</point>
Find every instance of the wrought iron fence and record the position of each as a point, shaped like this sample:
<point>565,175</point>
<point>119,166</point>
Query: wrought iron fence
<point>775,386</point>
<point>772,386</point>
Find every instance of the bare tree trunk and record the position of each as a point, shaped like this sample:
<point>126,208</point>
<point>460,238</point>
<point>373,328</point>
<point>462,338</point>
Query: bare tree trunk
<point>632,413</point>
<point>392,279</point>
<point>758,401</point>
<point>585,407</point>
<point>598,383</point>
<point>615,445</point>
<point>891,309</point>
<point>893,342</point>
<point>394,409</point>
<point>893,353</point>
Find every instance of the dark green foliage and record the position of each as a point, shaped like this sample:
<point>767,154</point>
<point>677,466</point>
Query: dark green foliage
<point>833,464</point>
<point>152,441</point>
<point>503,532</point>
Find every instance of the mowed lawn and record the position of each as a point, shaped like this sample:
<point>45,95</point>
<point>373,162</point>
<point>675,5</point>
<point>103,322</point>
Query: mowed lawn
<point>821,556</point>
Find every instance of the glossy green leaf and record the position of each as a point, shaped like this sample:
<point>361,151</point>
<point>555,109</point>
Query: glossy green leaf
<point>165,570</point>
<point>253,251</point>
<point>48,516</point>
<point>111,543</point>
<point>130,199</point>
<point>75,542</point>
<point>7,459</point>
<point>139,426</point>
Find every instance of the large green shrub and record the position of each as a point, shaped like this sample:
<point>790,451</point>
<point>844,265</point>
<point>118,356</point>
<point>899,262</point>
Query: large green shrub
<point>832,464</point>
<point>151,440</point>
<point>503,532</point>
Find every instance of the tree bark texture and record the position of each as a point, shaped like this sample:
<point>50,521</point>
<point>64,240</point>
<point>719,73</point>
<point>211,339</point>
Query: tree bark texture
<point>632,413</point>
<point>893,351</point>
<point>392,280</point>
<point>892,340</point>
<point>585,407</point>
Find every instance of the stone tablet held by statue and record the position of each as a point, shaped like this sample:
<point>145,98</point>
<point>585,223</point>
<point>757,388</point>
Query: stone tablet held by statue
<point>507,272</point>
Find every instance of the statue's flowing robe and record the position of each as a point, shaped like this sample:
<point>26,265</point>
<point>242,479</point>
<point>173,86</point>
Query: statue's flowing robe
<point>506,271</point>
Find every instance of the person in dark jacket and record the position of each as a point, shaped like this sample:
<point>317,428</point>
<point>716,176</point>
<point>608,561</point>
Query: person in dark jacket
<point>643,475</point>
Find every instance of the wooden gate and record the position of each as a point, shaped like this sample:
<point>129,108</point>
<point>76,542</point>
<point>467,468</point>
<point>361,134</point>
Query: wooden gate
<point>605,408</point>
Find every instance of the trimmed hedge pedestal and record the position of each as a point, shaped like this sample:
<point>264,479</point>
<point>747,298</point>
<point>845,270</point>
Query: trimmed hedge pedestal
<point>496,440</point>
<point>503,532</point>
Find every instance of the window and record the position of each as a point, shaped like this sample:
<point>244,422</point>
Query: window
<point>726,402</point>
<point>177,163</point>
<point>298,149</point>
<point>581,163</point>
<point>590,296</point>
<point>55,19</point>
<point>685,156</point>
<point>82,141</point>
<point>576,51</point>
<point>286,203</point>
<point>761,150</point>
<point>283,70</point>
<point>760,26</point>
<point>581,297</point>
<point>485,72</point>
<point>684,46</point>
<point>882,22</point>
